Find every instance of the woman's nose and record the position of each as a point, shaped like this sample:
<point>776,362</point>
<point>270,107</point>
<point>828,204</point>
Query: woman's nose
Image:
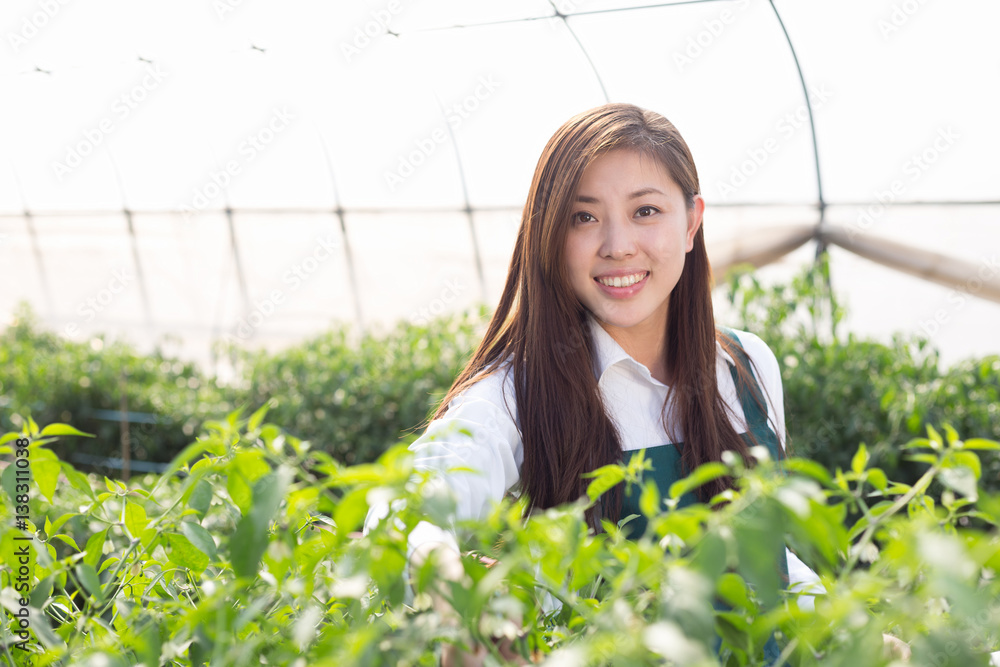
<point>619,239</point>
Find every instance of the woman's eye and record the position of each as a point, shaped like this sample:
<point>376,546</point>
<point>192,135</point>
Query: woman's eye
<point>646,211</point>
<point>582,217</point>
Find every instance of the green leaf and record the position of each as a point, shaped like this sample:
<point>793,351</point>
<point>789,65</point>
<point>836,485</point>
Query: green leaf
<point>63,429</point>
<point>243,471</point>
<point>45,467</point>
<point>149,644</point>
<point>605,479</point>
<point>199,537</point>
<point>960,479</point>
<point>935,439</point>
<point>981,443</point>
<point>95,548</point>
<point>257,417</point>
<point>87,575</point>
<point>733,590</point>
<point>8,437</point>
<point>649,501</point>
<point>201,497</point>
<point>809,468</point>
<point>877,478</point>
<point>860,460</point>
<point>9,481</point>
<point>62,519</point>
<point>41,592</point>
<point>134,518</point>
<point>918,443</point>
<point>77,479</point>
<point>702,474</point>
<point>184,554</point>
<point>710,556</point>
<point>250,539</point>
<point>66,539</point>
<point>351,511</point>
<point>49,639</point>
<point>734,629</point>
<point>970,461</point>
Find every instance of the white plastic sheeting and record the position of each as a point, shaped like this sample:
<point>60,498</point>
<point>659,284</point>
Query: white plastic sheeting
<point>374,156</point>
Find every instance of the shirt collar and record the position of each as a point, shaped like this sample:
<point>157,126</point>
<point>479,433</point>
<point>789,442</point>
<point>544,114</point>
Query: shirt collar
<point>607,351</point>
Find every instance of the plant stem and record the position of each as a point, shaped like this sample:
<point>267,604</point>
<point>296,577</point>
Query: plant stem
<point>900,503</point>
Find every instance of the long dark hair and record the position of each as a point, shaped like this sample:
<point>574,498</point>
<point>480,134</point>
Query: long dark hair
<point>541,325</point>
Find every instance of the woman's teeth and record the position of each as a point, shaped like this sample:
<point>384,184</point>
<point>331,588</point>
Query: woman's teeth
<point>622,281</point>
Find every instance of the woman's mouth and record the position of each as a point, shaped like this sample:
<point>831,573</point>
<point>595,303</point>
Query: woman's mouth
<point>622,286</point>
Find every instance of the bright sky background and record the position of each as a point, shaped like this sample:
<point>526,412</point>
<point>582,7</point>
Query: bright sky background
<point>99,128</point>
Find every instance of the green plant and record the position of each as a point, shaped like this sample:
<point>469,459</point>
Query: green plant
<point>350,398</point>
<point>247,552</point>
<point>353,399</point>
<point>51,379</point>
<point>840,390</point>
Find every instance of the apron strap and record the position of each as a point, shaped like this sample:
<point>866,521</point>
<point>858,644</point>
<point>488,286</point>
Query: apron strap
<point>752,399</point>
<point>756,416</point>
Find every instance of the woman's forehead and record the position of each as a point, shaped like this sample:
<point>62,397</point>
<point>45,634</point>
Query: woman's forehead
<point>625,168</point>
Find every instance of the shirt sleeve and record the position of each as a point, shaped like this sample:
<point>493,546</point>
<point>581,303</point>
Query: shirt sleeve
<point>479,435</point>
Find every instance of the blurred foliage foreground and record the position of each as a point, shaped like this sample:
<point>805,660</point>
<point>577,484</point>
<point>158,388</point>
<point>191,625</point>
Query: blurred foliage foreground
<point>247,552</point>
<point>353,400</point>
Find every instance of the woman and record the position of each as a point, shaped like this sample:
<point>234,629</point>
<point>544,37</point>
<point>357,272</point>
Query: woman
<point>604,341</point>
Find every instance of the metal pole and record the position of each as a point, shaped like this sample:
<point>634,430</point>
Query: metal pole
<point>338,211</point>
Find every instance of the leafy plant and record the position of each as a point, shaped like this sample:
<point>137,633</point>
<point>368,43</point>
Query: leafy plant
<point>247,552</point>
<point>840,390</point>
<point>350,398</point>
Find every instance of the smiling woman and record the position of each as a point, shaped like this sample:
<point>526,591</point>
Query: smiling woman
<point>625,249</point>
<point>604,343</point>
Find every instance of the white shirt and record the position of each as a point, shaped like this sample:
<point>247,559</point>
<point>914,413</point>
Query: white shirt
<point>480,430</point>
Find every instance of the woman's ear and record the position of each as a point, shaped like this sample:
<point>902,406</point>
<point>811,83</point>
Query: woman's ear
<point>695,214</point>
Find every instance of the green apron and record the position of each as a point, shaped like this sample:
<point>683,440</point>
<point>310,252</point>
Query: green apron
<point>668,467</point>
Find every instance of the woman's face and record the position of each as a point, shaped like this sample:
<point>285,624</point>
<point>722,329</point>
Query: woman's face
<point>628,236</point>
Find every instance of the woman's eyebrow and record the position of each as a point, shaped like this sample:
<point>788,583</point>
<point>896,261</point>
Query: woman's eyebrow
<point>584,199</point>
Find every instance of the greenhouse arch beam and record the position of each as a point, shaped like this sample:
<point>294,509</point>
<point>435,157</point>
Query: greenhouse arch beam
<point>467,209</point>
<point>29,221</point>
<point>563,16</point>
<point>133,241</point>
<point>821,246</point>
<point>339,212</point>
<point>586,54</point>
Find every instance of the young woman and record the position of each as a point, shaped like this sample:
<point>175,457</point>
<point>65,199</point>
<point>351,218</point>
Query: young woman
<point>604,341</point>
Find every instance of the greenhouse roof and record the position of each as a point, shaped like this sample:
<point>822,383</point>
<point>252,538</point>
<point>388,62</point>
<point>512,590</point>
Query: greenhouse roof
<point>214,169</point>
